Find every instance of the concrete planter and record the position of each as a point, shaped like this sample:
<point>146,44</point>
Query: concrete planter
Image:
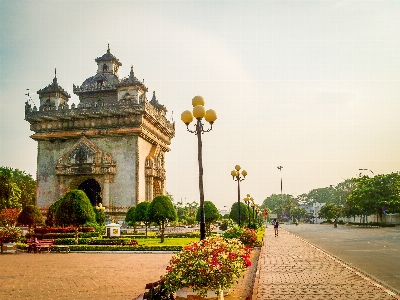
<point>9,248</point>
<point>187,293</point>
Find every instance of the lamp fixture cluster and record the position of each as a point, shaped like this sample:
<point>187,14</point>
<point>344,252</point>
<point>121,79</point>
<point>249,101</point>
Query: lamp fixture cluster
<point>199,112</point>
<point>236,174</point>
<point>249,199</point>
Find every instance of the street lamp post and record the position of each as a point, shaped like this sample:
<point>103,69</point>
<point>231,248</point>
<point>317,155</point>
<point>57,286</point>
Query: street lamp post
<point>236,176</point>
<point>210,116</point>
<point>253,205</point>
<point>247,200</point>
<point>280,171</point>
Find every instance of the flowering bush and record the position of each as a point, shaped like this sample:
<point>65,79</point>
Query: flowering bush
<point>9,216</point>
<point>247,236</point>
<point>212,264</point>
<point>10,234</point>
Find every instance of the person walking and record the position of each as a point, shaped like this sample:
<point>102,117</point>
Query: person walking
<point>276,226</point>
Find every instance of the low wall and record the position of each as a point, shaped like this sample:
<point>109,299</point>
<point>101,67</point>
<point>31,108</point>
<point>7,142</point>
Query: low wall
<point>389,218</point>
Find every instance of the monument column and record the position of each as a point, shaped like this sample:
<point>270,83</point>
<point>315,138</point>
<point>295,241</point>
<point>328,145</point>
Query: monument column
<point>106,192</point>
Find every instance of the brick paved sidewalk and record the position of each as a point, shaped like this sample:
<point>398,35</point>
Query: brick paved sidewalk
<point>79,276</point>
<point>290,268</point>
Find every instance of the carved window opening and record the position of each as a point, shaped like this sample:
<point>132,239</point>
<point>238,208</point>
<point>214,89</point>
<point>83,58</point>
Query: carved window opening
<point>93,190</point>
<point>105,68</point>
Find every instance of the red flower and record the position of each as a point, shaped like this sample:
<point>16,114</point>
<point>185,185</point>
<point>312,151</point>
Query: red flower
<point>215,261</point>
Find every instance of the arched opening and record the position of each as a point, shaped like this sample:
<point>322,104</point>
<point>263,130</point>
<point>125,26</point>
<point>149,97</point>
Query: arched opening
<point>93,190</point>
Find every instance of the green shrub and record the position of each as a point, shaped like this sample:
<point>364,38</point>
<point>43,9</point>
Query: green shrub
<point>194,234</point>
<point>110,241</point>
<point>60,235</point>
<point>247,236</point>
<point>71,241</point>
<point>224,225</point>
<point>253,226</point>
<point>124,248</point>
<point>181,235</point>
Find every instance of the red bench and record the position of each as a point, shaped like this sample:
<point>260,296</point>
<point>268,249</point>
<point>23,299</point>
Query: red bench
<point>39,245</point>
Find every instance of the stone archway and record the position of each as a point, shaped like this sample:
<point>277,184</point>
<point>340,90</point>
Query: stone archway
<point>93,190</point>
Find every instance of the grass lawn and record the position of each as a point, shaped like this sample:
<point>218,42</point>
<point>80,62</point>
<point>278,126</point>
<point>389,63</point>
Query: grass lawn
<point>167,241</point>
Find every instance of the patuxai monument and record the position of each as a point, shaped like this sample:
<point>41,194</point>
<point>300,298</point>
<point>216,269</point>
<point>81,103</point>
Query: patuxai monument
<point>111,145</point>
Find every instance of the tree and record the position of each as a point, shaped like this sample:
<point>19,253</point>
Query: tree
<point>9,216</point>
<point>10,193</point>
<point>321,195</point>
<point>329,211</point>
<point>244,213</point>
<point>51,213</point>
<point>75,210</point>
<point>161,211</point>
<point>142,214</point>
<point>378,194</point>
<point>17,189</point>
<point>274,203</point>
<point>298,212</point>
<point>343,190</point>
<point>100,215</point>
<point>211,214</point>
<point>27,185</point>
<point>130,217</point>
<point>30,216</point>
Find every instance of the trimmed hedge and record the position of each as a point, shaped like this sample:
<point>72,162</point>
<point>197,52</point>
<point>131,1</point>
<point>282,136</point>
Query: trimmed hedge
<point>72,247</point>
<point>60,235</point>
<point>123,248</point>
<point>181,235</point>
<point>112,241</point>
<point>134,236</point>
<point>71,241</point>
<point>44,230</point>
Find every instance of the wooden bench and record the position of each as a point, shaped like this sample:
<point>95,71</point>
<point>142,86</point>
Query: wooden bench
<point>44,245</point>
<point>60,248</point>
<point>40,245</point>
<point>157,291</point>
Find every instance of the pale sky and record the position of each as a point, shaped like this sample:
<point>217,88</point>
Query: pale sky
<point>313,86</point>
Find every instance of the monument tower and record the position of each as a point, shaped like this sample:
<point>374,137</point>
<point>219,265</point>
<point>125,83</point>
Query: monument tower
<point>112,145</point>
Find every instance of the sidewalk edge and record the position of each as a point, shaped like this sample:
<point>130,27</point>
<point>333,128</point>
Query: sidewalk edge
<point>375,281</point>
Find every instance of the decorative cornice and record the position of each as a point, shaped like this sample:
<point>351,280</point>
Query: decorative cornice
<point>86,158</point>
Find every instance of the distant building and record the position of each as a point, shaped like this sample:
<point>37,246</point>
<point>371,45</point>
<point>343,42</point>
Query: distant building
<point>112,145</point>
<point>316,208</point>
<point>313,211</point>
<point>224,211</point>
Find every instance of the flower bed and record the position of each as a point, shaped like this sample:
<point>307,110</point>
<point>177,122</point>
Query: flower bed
<point>123,248</point>
<point>9,234</point>
<point>61,235</point>
<point>213,264</point>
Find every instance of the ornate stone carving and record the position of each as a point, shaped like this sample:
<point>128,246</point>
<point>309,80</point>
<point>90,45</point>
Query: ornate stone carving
<point>110,110</point>
<point>155,172</point>
<point>86,158</point>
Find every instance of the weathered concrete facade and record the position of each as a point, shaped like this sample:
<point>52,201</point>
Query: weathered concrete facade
<point>112,144</point>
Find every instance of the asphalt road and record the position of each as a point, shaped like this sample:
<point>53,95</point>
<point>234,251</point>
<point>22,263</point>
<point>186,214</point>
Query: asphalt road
<point>375,251</point>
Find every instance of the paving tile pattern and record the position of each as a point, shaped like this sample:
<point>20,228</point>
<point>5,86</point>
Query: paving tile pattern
<point>290,268</point>
<point>78,275</point>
